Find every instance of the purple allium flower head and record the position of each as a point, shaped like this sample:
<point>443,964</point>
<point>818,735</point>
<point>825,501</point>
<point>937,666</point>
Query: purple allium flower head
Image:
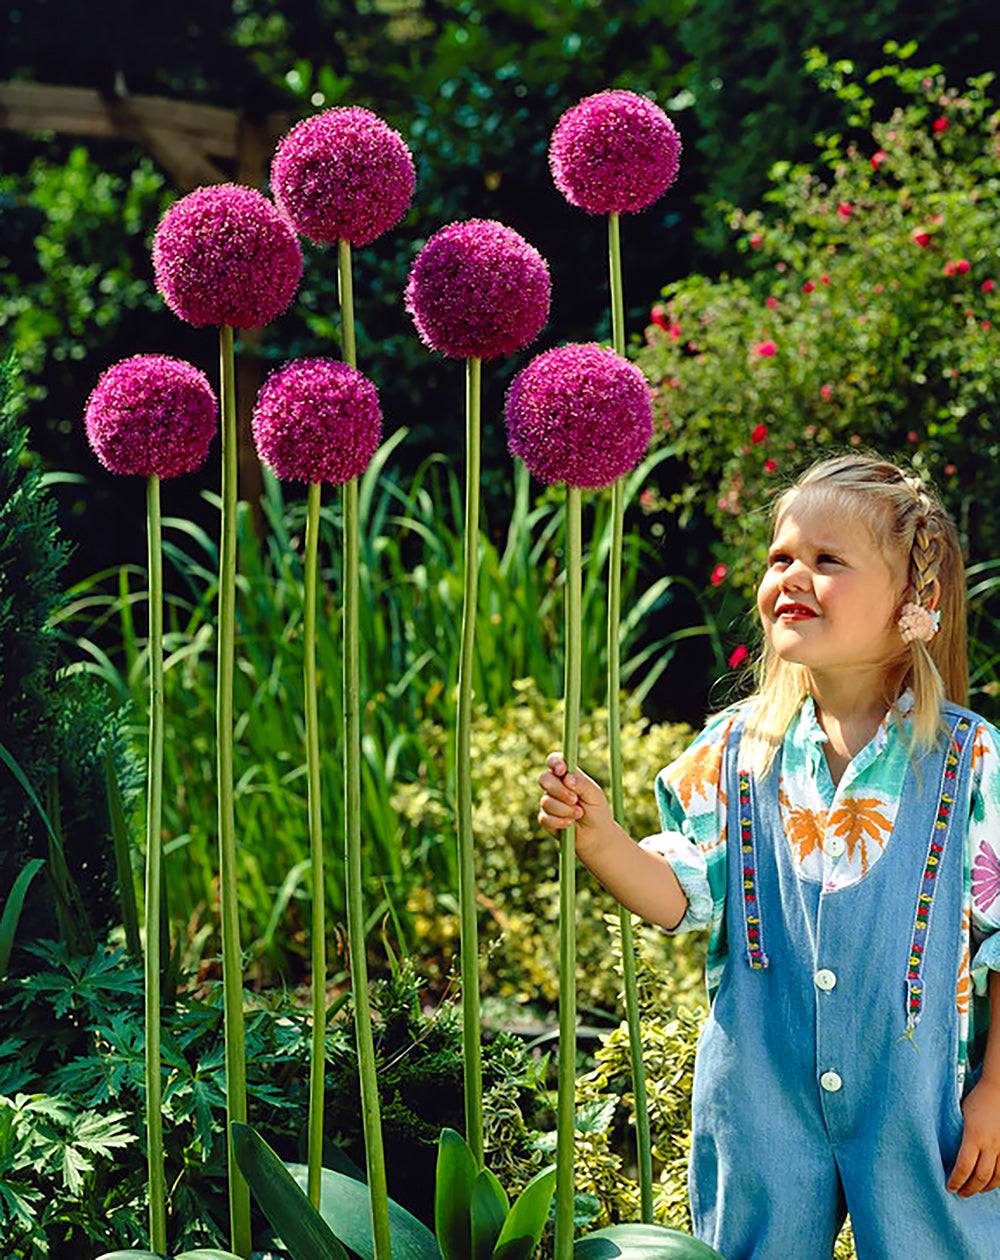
<point>614,152</point>
<point>343,175</point>
<point>478,290</point>
<point>226,255</point>
<point>579,414</point>
<point>151,414</point>
<point>317,420</point>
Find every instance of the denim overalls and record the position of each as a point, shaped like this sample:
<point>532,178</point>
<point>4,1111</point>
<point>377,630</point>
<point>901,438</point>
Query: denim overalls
<point>827,1075</point>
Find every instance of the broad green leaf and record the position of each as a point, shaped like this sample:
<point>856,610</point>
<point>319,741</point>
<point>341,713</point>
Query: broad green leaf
<point>12,910</point>
<point>641,1242</point>
<point>346,1208</point>
<point>456,1171</point>
<point>200,1253</point>
<point>303,1230</point>
<point>525,1221</point>
<point>489,1206</point>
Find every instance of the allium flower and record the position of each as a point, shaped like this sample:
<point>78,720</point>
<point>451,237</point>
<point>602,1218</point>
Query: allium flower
<point>317,420</point>
<point>478,290</point>
<point>614,152</point>
<point>579,414</point>
<point>151,415</point>
<point>226,255</point>
<point>343,175</point>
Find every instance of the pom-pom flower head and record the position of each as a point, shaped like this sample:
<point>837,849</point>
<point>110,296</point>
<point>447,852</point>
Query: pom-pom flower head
<point>614,152</point>
<point>151,415</point>
<point>579,414</point>
<point>478,290</point>
<point>317,420</point>
<point>226,255</point>
<point>343,175</point>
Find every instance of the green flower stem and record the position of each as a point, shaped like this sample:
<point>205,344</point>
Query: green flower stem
<point>370,1116</point>
<point>232,974</point>
<point>643,1138</point>
<point>154,871</point>
<point>473,1072</point>
<point>317,1058</point>
<point>566,1086</point>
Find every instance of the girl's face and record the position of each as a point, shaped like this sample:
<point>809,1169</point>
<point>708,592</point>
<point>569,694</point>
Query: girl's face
<point>830,598</point>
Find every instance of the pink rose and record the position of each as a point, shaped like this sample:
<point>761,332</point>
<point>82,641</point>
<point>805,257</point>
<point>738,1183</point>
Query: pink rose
<point>759,434</point>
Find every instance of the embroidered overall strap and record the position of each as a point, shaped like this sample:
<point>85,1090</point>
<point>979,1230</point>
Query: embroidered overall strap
<point>940,830</point>
<point>752,927</point>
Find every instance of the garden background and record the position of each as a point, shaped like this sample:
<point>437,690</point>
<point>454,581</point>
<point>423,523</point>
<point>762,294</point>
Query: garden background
<point>850,299</point>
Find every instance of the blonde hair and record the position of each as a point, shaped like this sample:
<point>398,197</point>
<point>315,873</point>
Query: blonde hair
<point>905,518</point>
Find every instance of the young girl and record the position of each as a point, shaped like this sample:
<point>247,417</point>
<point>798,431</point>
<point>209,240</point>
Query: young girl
<point>839,833</point>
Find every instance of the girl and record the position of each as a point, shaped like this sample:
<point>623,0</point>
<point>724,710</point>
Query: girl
<point>839,832</point>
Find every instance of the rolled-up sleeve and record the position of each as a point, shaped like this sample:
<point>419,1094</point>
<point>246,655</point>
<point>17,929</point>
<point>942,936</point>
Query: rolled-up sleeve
<point>690,796</point>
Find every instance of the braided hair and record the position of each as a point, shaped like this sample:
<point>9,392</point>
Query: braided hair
<point>905,518</point>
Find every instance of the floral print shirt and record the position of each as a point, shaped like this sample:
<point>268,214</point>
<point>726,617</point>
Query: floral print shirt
<point>836,832</point>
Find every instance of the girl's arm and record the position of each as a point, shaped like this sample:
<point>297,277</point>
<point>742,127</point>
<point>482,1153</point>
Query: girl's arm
<point>977,1167</point>
<point>642,881</point>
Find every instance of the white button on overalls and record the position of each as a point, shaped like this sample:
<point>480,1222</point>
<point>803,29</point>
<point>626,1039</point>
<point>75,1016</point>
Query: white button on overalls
<point>825,979</point>
<point>831,1082</point>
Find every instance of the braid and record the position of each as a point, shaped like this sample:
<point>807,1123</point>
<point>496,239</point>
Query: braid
<point>926,550</point>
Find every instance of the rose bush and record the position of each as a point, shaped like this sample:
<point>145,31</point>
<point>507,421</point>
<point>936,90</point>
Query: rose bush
<point>866,315</point>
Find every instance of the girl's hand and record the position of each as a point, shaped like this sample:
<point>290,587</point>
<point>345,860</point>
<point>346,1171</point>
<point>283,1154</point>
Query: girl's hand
<point>570,798</point>
<point>977,1168</point>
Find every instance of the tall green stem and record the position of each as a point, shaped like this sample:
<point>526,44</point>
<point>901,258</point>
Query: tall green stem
<point>154,870</point>
<point>473,1071</point>
<point>232,972</point>
<point>317,1058</point>
<point>370,1116</point>
<point>643,1138</point>
<point>566,1086</point>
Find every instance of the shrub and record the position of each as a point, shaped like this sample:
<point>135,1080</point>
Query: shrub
<point>866,316</point>
<point>517,864</point>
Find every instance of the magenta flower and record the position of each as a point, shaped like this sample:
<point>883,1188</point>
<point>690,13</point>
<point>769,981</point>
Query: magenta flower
<point>766,349</point>
<point>614,152</point>
<point>317,420</point>
<point>226,255</point>
<point>739,655</point>
<point>151,415</point>
<point>579,414</point>
<point>343,175</point>
<point>478,290</point>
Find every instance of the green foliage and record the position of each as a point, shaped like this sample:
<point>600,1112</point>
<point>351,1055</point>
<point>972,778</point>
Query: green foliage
<point>84,230</point>
<point>517,868</point>
<point>410,608</point>
<point>72,1137</point>
<point>867,316</point>
<point>56,733</point>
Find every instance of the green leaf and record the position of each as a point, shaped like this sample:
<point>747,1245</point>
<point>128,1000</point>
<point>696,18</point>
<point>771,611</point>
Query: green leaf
<point>133,1255</point>
<point>346,1208</point>
<point>303,1230</point>
<point>456,1171</point>
<point>641,1242</point>
<point>525,1221</point>
<point>12,910</point>
<point>200,1253</point>
<point>489,1206</point>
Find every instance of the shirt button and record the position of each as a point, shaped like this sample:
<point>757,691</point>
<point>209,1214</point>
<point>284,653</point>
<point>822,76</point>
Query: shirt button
<point>825,979</point>
<point>831,1082</point>
<point>835,847</point>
